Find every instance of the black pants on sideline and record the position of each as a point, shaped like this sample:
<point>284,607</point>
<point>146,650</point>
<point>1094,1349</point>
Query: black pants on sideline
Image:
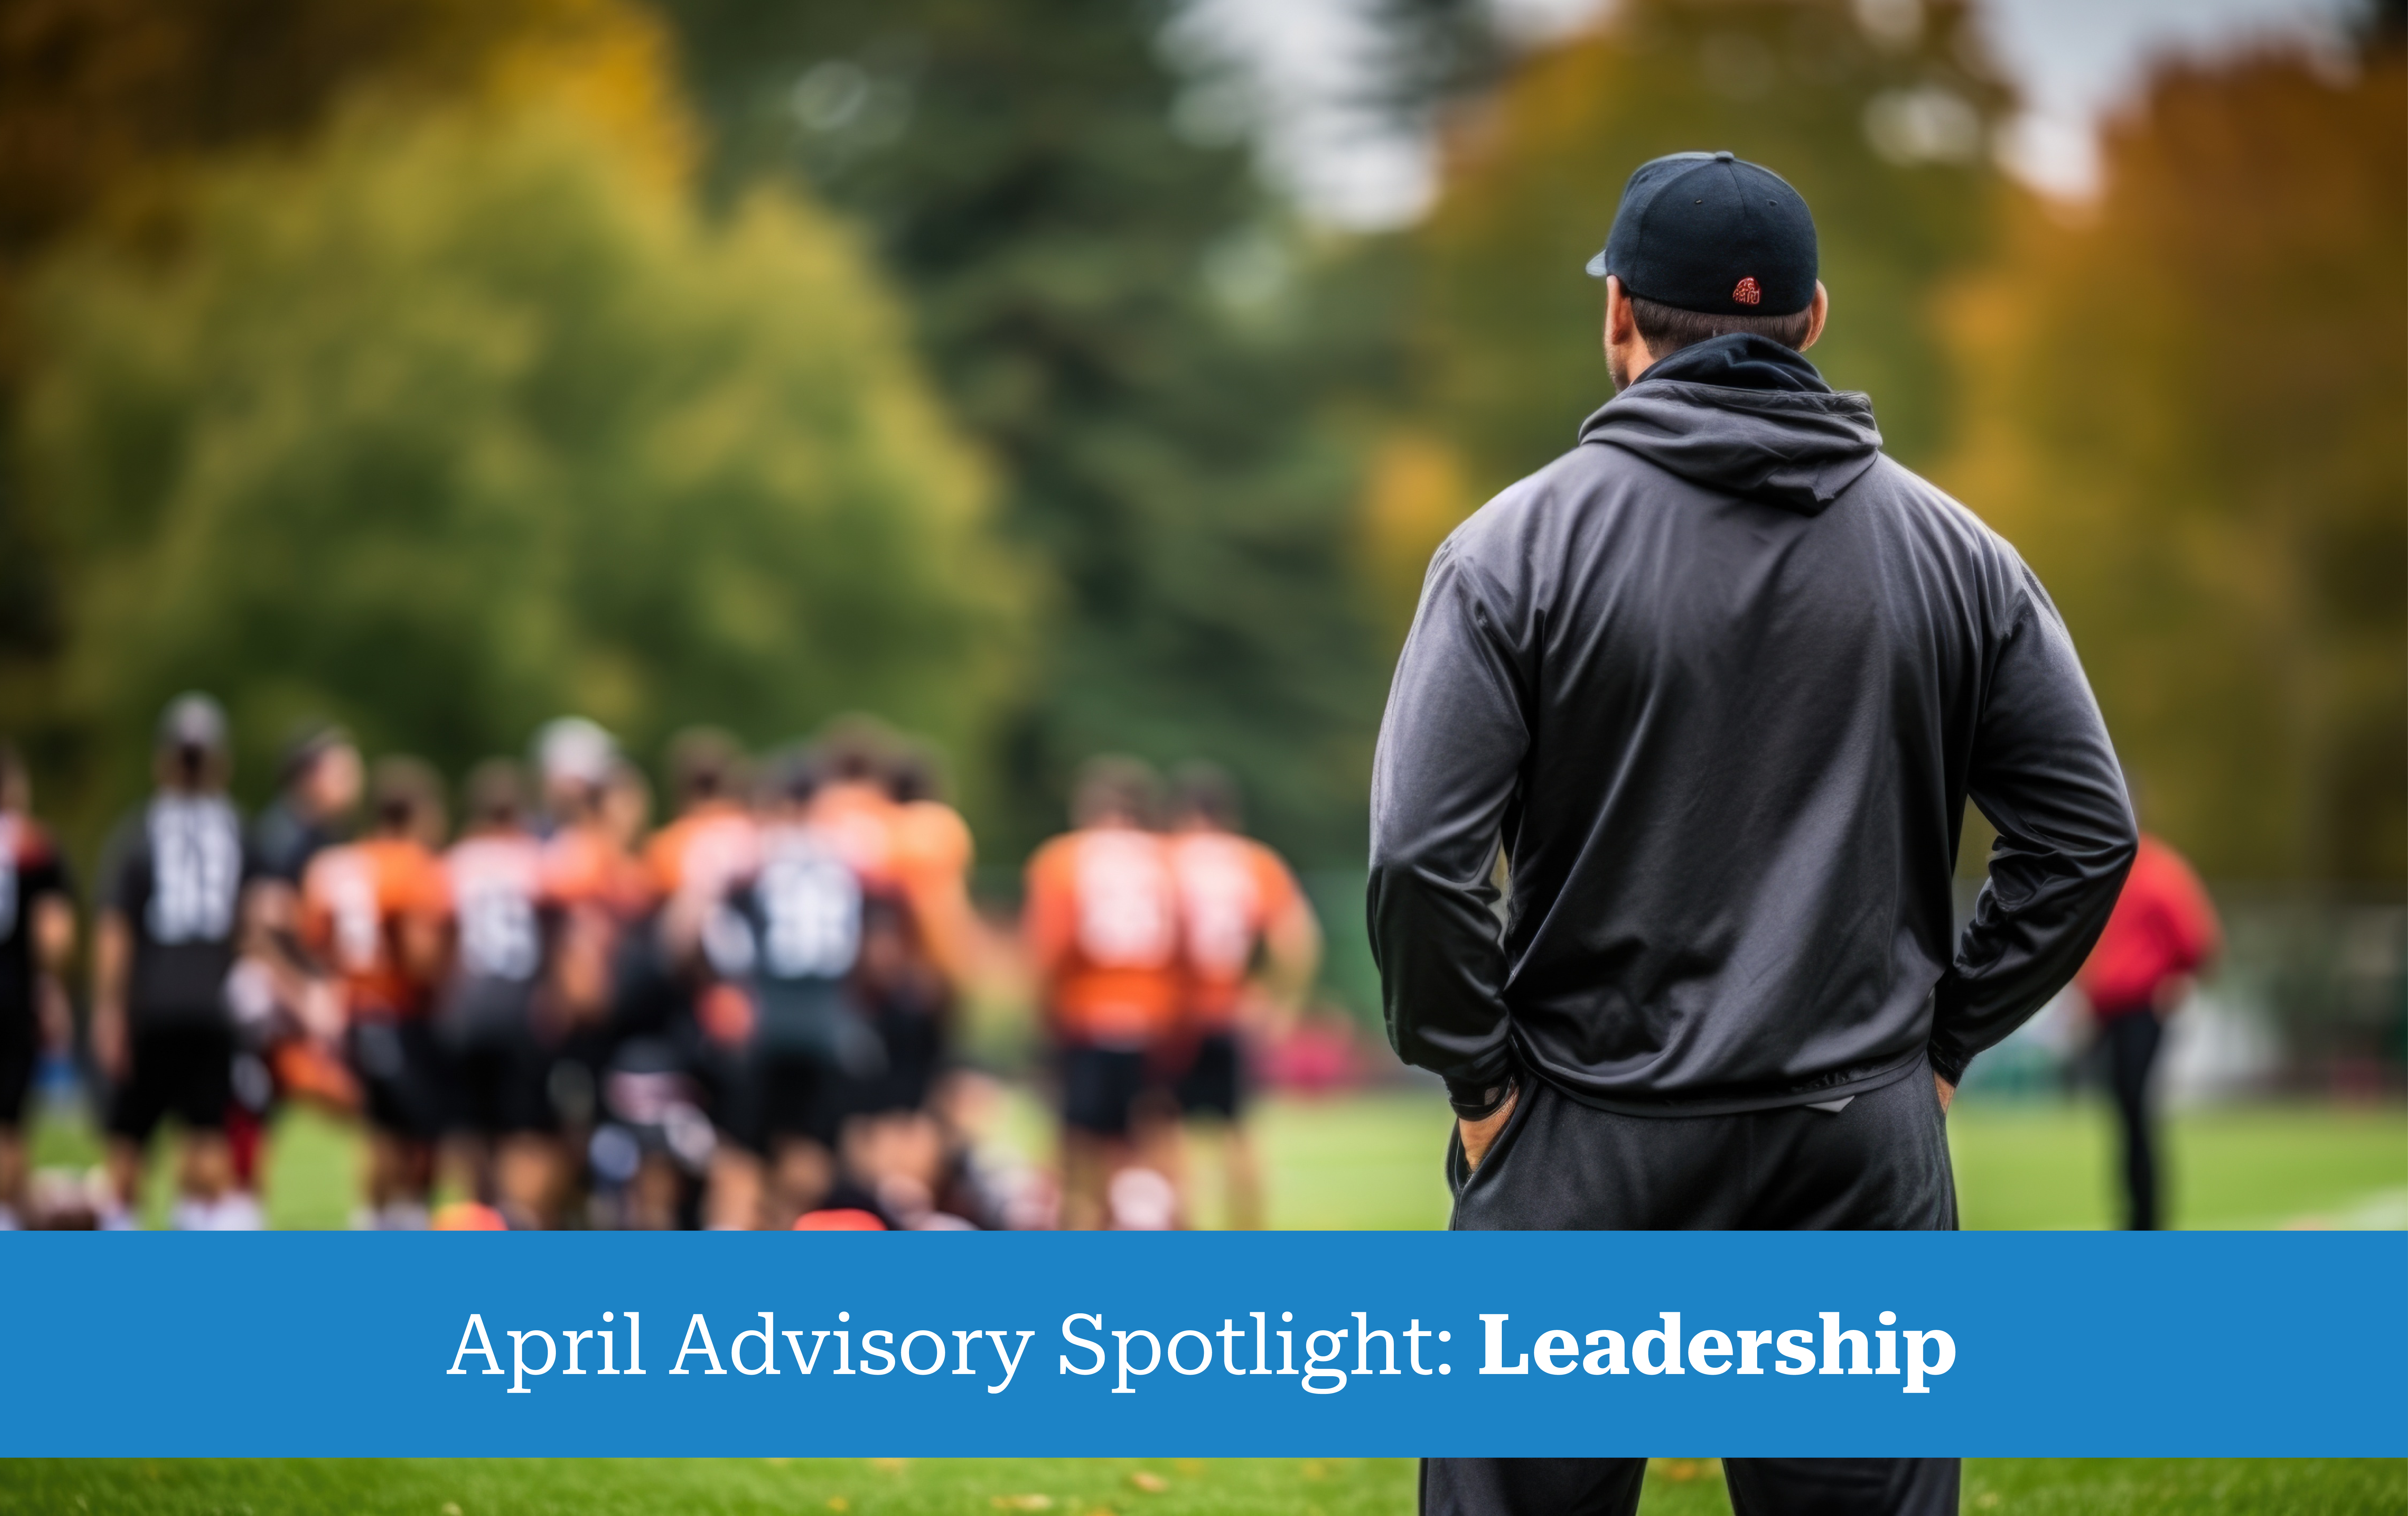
<point>1758,1486</point>
<point>1879,1164</point>
<point>2132,1041</point>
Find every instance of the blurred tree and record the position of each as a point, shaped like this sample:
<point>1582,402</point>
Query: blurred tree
<point>1879,111</point>
<point>1117,310</point>
<point>107,106</point>
<point>2188,408</point>
<point>454,422</point>
<point>97,96</point>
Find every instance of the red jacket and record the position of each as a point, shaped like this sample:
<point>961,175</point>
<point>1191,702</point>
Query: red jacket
<point>2163,924</point>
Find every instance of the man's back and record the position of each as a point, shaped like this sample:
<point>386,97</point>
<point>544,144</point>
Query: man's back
<point>1721,679</point>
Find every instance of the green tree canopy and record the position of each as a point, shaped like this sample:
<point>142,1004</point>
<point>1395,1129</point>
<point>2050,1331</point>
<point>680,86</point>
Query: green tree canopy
<point>453,423</point>
<point>1069,251</point>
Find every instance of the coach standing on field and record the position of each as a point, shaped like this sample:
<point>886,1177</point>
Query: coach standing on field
<point>1718,682</point>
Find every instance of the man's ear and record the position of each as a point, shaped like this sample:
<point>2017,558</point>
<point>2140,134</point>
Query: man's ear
<point>1821,310</point>
<point>1621,324</point>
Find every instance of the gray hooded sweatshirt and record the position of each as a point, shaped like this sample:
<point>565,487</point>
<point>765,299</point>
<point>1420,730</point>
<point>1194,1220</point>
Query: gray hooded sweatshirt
<point>1719,682</point>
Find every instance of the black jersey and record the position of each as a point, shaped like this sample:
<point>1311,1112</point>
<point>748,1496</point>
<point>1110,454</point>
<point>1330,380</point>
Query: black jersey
<point>794,930</point>
<point>283,840</point>
<point>176,870</point>
<point>31,866</point>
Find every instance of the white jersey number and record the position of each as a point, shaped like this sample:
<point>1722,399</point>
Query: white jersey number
<point>1128,917</point>
<point>196,871</point>
<point>350,896</point>
<point>810,914</point>
<point>497,930</point>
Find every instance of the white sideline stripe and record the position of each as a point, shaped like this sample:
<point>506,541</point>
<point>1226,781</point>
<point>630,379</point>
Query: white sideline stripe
<point>2385,1210</point>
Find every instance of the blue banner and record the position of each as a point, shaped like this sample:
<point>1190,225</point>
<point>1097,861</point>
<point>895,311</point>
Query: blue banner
<point>1290,1344</point>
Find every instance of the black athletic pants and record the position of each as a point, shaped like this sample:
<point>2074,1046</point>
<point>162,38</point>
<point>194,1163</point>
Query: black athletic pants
<point>2132,1041</point>
<point>1758,1486</point>
<point>1880,1163</point>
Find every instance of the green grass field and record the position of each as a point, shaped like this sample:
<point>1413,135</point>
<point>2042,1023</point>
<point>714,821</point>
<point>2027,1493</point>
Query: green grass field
<point>1088,1487</point>
<point>1372,1161</point>
<point>1361,1161</point>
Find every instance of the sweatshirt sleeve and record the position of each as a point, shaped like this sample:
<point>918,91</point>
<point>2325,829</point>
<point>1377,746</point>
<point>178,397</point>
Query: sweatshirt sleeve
<point>1450,751</point>
<point>2045,774</point>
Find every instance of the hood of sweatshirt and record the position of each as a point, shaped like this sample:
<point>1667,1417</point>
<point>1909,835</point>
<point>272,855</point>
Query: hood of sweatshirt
<point>1743,415</point>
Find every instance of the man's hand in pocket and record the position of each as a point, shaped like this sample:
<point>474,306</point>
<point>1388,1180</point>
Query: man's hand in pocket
<point>1479,1136</point>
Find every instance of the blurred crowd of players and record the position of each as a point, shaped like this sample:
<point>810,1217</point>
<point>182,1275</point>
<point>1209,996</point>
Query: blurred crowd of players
<point>744,1018</point>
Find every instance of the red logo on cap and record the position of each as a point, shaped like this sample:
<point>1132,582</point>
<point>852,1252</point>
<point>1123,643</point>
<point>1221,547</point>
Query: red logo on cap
<point>1748,292</point>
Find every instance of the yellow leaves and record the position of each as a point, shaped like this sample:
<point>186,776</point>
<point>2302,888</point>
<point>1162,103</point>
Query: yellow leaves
<point>1415,494</point>
<point>2174,411</point>
<point>1148,1480</point>
<point>1022,1502</point>
<point>613,64</point>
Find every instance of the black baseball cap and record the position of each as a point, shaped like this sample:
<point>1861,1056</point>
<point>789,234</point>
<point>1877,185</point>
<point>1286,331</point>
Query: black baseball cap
<point>1710,232</point>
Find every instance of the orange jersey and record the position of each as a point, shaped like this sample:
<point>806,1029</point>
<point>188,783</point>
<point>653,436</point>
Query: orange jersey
<point>930,856</point>
<point>929,846</point>
<point>706,849</point>
<point>1103,926</point>
<point>496,881</point>
<point>583,866</point>
<point>354,901</point>
<point>863,824</point>
<point>1231,889</point>
<point>595,889</point>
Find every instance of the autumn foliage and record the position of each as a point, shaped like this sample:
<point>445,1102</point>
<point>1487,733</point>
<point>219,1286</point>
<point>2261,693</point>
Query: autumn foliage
<point>2188,410</point>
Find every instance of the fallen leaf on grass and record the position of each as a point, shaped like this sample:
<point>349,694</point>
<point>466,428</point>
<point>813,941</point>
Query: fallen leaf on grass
<point>1024,1502</point>
<point>1148,1480</point>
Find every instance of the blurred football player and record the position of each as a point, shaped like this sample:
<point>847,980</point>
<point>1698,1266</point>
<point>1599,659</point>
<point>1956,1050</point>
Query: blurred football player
<point>170,899</point>
<point>1103,935</point>
<point>497,1046</point>
<point>36,936</point>
<point>376,910</point>
<point>1241,907</point>
<point>278,992</point>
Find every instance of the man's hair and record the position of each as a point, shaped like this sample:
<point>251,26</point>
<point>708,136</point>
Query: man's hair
<point>496,793</point>
<point>303,749</point>
<point>912,773</point>
<point>1113,786</point>
<point>404,792</point>
<point>1205,791</point>
<point>705,763</point>
<point>1666,328</point>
